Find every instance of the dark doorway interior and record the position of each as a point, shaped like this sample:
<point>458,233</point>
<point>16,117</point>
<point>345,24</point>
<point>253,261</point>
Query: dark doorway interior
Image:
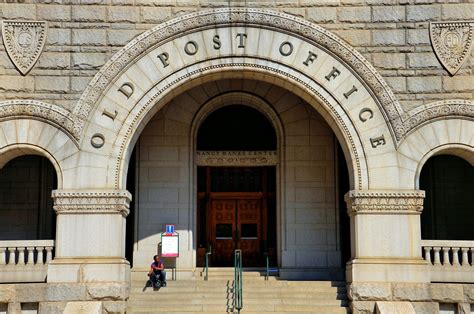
<point>26,205</point>
<point>236,127</point>
<point>344,220</point>
<point>448,207</point>
<point>130,224</point>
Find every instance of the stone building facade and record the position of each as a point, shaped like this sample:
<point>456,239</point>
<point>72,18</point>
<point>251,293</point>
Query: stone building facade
<point>102,103</point>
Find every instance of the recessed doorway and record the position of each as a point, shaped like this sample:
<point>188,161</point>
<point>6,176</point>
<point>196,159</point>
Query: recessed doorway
<point>236,187</point>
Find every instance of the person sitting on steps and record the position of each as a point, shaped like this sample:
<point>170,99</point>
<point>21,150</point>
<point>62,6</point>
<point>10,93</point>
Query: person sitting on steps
<point>157,272</point>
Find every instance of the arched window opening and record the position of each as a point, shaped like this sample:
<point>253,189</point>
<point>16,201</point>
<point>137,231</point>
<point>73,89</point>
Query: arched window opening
<point>448,208</point>
<point>26,205</point>
<point>236,127</point>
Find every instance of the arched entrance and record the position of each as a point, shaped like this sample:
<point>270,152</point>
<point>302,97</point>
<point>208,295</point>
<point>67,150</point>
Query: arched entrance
<point>236,188</point>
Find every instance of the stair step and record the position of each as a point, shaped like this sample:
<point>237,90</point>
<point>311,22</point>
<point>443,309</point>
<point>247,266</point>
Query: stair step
<point>260,296</point>
<point>248,301</point>
<point>247,308</point>
<point>223,295</point>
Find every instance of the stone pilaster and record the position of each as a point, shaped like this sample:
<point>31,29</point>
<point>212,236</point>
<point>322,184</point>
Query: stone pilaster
<point>386,236</point>
<point>90,236</point>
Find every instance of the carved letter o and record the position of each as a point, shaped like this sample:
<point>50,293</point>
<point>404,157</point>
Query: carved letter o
<point>97,140</point>
<point>192,51</point>
<point>289,50</point>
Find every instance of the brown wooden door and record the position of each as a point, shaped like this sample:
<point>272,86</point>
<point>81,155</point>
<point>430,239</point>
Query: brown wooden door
<point>223,228</point>
<point>236,224</point>
<point>249,230</point>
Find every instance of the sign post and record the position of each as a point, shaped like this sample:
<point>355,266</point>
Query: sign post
<point>170,243</point>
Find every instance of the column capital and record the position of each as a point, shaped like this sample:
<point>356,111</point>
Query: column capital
<point>92,201</point>
<point>384,201</point>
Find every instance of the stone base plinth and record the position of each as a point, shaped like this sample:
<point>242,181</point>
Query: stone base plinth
<point>370,297</point>
<point>89,270</point>
<point>387,270</point>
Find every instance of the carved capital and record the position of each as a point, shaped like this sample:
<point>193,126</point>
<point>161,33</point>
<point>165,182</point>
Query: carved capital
<point>384,202</point>
<point>92,201</point>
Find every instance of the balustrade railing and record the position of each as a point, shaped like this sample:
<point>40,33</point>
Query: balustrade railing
<point>450,261</point>
<point>25,260</point>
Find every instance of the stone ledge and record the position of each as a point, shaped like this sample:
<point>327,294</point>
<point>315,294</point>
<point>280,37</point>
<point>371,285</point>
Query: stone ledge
<point>63,292</point>
<point>412,292</point>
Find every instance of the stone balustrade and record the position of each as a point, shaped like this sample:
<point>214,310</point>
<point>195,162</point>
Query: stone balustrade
<point>25,260</point>
<point>449,261</point>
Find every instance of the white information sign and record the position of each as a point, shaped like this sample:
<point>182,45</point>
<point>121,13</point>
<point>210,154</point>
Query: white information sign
<point>170,245</point>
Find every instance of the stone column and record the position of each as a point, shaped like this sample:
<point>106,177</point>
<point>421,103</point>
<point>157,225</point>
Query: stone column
<point>90,236</point>
<point>386,236</point>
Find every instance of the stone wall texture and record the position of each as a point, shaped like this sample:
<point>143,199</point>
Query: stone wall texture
<point>83,34</point>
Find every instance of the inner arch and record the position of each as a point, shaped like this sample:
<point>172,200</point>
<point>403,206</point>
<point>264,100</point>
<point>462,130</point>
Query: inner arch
<point>236,127</point>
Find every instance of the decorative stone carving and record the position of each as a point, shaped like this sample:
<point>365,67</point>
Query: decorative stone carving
<point>437,110</point>
<point>33,109</point>
<point>233,16</point>
<point>384,202</point>
<point>24,42</point>
<point>236,158</point>
<point>452,43</point>
<point>92,202</point>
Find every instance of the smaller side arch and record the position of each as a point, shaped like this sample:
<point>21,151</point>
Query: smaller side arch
<point>7,153</point>
<point>451,135</point>
<point>463,151</point>
<point>28,136</point>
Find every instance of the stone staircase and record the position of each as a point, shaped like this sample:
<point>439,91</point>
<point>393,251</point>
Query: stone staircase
<point>259,296</point>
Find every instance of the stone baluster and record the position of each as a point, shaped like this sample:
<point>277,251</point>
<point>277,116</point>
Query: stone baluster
<point>427,250</point>
<point>21,255</point>
<point>12,255</point>
<point>3,255</point>
<point>39,257</point>
<point>455,251</point>
<point>49,254</point>
<point>465,258</point>
<point>31,255</point>
<point>446,261</point>
<point>436,250</point>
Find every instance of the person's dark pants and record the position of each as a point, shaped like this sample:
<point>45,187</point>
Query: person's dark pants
<point>158,275</point>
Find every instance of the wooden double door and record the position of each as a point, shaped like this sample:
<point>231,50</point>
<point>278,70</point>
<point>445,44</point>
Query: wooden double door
<point>236,210</point>
<point>236,223</point>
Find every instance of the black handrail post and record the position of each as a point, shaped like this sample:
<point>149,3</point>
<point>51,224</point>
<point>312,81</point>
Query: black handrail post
<point>238,300</point>
<point>208,253</point>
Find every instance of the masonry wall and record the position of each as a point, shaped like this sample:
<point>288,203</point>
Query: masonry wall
<point>83,34</point>
<point>308,212</point>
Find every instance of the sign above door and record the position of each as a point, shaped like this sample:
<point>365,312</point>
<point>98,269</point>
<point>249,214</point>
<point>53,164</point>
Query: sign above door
<point>236,158</point>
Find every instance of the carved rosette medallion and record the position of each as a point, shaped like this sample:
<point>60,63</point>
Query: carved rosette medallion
<point>384,202</point>
<point>92,202</point>
<point>24,42</point>
<point>452,43</point>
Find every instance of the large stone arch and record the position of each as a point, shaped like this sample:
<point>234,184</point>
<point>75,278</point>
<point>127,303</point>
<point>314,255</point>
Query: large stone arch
<point>290,52</point>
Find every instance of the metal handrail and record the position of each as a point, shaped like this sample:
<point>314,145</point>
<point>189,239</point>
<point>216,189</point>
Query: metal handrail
<point>268,265</point>
<point>238,301</point>
<point>208,253</point>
